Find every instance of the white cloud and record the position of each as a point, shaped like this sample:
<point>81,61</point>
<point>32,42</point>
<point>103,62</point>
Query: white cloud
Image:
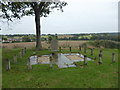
<point>79,16</point>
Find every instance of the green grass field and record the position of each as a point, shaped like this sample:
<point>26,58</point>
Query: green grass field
<point>41,76</point>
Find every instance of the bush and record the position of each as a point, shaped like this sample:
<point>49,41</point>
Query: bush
<point>105,43</point>
<point>26,39</point>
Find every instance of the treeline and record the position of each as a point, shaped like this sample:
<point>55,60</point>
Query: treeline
<point>88,36</point>
<point>105,43</point>
<point>94,36</point>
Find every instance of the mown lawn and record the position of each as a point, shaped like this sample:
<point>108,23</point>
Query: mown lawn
<point>41,76</point>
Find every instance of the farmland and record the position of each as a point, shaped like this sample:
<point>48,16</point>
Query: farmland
<point>44,44</point>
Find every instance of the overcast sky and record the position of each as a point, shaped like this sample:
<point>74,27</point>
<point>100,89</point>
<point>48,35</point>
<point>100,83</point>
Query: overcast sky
<point>79,16</point>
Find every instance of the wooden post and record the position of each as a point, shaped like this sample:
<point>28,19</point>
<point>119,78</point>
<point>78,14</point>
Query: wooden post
<point>29,64</point>
<point>100,59</point>
<point>25,50</point>
<point>80,48</point>
<point>8,66</point>
<point>85,60</point>
<point>101,52</point>
<point>70,49</point>
<point>113,57</point>
<point>91,51</point>
<point>60,49</point>
<point>84,49</point>
<point>50,61</point>
<point>48,48</point>
<point>15,58</point>
<point>20,54</point>
<point>94,58</point>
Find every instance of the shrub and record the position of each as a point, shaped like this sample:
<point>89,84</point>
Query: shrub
<point>105,43</point>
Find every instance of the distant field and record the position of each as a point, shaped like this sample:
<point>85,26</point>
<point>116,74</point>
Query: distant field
<point>44,44</point>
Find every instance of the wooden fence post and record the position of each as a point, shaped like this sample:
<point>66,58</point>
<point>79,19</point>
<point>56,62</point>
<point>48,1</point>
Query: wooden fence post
<point>113,57</point>
<point>100,59</point>
<point>25,50</point>
<point>60,49</point>
<point>80,48</point>
<point>8,66</point>
<point>15,58</point>
<point>29,64</point>
<point>84,49</point>
<point>101,52</point>
<point>91,51</point>
<point>70,49</point>
<point>49,48</point>
<point>20,54</point>
<point>85,60</point>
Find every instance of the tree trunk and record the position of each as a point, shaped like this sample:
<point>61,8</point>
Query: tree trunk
<point>38,32</point>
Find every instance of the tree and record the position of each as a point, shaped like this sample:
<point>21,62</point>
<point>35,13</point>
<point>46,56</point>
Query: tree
<point>4,38</point>
<point>40,8</point>
<point>26,39</point>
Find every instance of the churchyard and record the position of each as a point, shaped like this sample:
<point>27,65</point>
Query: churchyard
<point>60,66</point>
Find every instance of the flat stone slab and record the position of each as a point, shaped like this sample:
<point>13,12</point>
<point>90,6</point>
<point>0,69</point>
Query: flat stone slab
<point>62,60</point>
<point>43,59</point>
<point>73,57</point>
<point>76,57</point>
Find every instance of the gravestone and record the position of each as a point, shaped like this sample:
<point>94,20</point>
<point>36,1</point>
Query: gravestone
<point>51,59</point>
<point>15,58</point>
<point>113,57</point>
<point>29,64</point>
<point>8,66</point>
<point>54,45</point>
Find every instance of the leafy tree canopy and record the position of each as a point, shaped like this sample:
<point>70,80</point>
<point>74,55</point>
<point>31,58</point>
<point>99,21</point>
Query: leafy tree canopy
<point>20,9</point>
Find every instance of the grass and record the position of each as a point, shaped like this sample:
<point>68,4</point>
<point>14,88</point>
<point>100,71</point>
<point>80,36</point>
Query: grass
<point>41,76</point>
<point>0,68</point>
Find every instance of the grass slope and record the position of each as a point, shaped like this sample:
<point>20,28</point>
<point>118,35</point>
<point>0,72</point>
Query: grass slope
<point>41,76</point>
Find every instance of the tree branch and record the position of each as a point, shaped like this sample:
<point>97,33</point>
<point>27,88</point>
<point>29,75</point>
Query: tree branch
<point>41,5</point>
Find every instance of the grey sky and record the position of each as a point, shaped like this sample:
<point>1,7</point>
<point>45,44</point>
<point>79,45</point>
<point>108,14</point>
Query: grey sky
<point>79,16</point>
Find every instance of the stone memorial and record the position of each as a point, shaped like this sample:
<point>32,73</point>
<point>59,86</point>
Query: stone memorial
<point>15,58</point>
<point>8,66</point>
<point>113,57</point>
<point>54,44</point>
<point>29,64</point>
<point>51,59</point>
